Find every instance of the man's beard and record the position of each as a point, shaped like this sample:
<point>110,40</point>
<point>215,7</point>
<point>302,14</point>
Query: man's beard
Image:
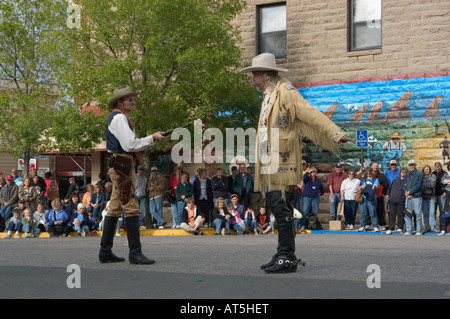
<point>258,86</point>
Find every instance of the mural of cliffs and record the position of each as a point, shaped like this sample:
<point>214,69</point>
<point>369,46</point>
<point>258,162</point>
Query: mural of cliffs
<point>406,118</point>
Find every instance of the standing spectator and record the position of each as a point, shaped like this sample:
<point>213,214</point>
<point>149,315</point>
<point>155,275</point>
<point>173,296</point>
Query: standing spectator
<point>209,172</point>
<point>47,179</point>
<point>220,218</point>
<point>413,192</point>
<point>73,188</point>
<point>9,197</point>
<point>27,192</point>
<point>243,185</point>
<point>334,182</point>
<point>184,190</point>
<point>102,179</point>
<point>192,218</point>
<point>381,191</point>
<point>313,189</point>
<point>172,198</point>
<point>428,199</point>
<point>57,220</point>
<point>393,173</point>
<point>38,183</point>
<point>397,199</point>
<point>234,172</point>
<point>141,191</point>
<point>14,224</point>
<point>203,195</point>
<point>369,186</point>
<point>156,186</point>
<point>97,201</point>
<point>219,184</point>
<point>349,187</point>
<point>29,224</point>
<point>439,191</point>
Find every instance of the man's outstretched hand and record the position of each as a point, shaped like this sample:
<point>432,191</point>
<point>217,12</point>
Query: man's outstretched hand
<point>344,139</point>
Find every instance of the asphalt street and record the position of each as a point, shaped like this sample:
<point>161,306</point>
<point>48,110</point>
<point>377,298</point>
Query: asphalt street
<point>227,267</point>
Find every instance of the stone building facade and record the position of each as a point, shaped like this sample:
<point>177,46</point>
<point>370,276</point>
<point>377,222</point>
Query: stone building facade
<point>398,88</point>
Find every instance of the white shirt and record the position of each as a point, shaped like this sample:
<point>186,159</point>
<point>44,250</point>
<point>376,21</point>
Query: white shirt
<point>350,187</point>
<point>263,138</point>
<point>120,128</point>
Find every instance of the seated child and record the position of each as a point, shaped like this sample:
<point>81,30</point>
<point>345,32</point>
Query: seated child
<point>236,222</point>
<point>263,222</point>
<point>250,220</point>
<point>30,226</point>
<point>14,224</point>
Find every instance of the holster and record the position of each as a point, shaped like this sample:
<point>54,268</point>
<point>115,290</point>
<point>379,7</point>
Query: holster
<point>123,167</point>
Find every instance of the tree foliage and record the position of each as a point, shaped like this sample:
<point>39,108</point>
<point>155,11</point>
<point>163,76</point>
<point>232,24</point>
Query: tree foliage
<point>30,61</point>
<point>182,55</point>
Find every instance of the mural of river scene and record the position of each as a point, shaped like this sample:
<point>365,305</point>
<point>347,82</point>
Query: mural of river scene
<point>406,118</point>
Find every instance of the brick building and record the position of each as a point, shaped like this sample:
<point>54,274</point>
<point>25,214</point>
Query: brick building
<point>376,65</point>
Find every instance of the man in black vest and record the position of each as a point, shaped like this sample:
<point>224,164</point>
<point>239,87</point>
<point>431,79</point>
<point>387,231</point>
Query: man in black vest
<point>124,147</point>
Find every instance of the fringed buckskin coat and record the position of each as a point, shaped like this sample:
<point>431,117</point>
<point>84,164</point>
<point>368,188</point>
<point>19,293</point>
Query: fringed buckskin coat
<point>294,117</point>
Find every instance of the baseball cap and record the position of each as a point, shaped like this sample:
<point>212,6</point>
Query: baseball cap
<point>9,178</point>
<point>393,162</point>
<point>338,165</point>
<point>411,162</point>
<point>154,168</point>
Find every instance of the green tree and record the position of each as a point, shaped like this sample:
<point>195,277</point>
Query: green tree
<point>183,56</point>
<point>30,58</point>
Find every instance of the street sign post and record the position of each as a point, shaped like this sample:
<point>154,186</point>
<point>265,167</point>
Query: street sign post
<point>362,141</point>
<point>361,138</point>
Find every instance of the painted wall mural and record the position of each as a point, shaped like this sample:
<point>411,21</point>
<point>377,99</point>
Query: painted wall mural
<point>407,117</point>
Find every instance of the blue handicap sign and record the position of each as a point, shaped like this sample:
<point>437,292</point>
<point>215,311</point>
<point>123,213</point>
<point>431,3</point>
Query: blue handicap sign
<point>361,138</point>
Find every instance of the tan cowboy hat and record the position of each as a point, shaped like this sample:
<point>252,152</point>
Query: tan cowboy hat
<point>395,135</point>
<point>264,62</point>
<point>121,92</point>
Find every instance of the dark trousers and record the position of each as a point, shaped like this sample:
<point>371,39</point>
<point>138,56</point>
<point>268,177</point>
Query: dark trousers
<point>350,208</point>
<point>380,211</point>
<point>205,207</point>
<point>396,210</point>
<point>53,230</point>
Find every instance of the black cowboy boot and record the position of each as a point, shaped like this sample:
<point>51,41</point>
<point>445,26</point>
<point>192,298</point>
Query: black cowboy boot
<point>134,242</point>
<point>284,260</point>
<point>109,228</point>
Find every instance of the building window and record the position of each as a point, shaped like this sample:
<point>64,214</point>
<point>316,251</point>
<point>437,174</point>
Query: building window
<point>272,29</point>
<point>365,25</point>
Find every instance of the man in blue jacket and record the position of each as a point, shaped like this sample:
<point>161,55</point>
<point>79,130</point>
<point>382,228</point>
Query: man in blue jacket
<point>413,194</point>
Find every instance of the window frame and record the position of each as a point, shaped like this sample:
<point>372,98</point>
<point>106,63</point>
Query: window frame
<point>351,30</point>
<point>259,22</point>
